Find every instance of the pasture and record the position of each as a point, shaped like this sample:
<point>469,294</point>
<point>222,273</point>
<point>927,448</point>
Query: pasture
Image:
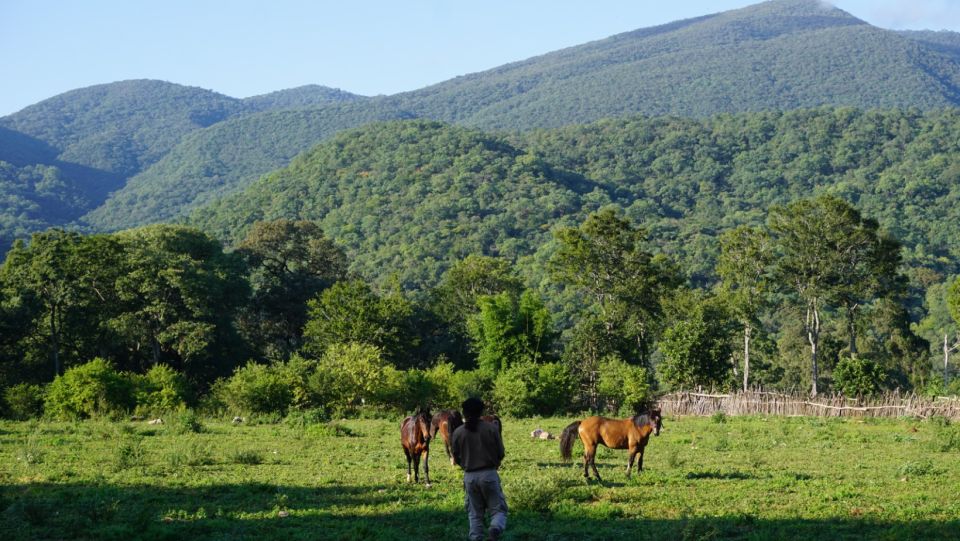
<point>704,478</point>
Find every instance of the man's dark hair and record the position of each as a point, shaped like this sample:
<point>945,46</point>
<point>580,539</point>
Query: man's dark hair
<point>472,410</point>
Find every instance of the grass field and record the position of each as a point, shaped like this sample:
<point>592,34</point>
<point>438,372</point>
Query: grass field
<point>704,478</point>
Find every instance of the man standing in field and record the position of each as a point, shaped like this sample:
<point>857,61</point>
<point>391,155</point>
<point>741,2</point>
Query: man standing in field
<point>478,449</point>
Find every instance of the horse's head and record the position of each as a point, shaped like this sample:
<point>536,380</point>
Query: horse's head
<point>656,421</point>
<point>652,418</point>
<point>423,419</point>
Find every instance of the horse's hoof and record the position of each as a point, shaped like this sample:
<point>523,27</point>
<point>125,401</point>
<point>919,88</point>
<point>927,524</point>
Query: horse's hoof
<point>427,485</point>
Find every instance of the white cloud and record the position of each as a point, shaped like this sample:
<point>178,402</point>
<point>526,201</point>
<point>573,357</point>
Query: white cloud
<point>904,14</point>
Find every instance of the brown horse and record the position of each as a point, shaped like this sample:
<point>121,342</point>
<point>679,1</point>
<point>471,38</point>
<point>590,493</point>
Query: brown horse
<point>629,434</point>
<point>495,420</point>
<point>415,438</point>
<point>445,422</point>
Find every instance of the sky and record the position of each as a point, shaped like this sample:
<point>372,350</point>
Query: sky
<point>243,48</point>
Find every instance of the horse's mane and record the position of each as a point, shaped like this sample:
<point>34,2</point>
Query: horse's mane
<point>643,418</point>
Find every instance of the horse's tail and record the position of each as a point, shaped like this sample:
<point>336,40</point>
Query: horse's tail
<point>566,440</point>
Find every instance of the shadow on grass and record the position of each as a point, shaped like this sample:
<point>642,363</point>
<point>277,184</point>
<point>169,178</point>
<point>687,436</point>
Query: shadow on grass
<point>388,513</point>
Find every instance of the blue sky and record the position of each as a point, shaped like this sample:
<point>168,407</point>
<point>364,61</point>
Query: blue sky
<point>243,48</point>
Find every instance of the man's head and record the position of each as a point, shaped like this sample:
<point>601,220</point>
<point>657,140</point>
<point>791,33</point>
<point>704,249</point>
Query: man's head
<point>472,408</point>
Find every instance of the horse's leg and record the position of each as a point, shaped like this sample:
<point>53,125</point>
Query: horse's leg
<point>640,461</point>
<point>416,467</point>
<point>426,465</point>
<point>593,464</point>
<point>633,455</point>
<point>586,461</point>
<point>409,462</point>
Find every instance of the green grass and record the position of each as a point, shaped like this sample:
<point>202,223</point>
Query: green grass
<point>745,478</point>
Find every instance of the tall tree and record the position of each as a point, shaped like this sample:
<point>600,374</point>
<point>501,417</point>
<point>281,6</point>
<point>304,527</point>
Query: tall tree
<point>830,256</point>
<point>180,293</point>
<point>454,300</point>
<point>290,262</point>
<point>68,277</point>
<point>351,312</point>
<point>746,254</point>
<point>509,329</point>
<point>605,259</point>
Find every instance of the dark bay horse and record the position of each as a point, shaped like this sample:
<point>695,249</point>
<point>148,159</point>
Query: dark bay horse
<point>415,438</point>
<point>495,420</point>
<point>631,434</point>
<point>445,422</point>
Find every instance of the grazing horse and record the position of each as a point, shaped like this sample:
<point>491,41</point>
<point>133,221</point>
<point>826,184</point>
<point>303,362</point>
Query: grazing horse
<point>415,438</point>
<point>445,422</point>
<point>631,434</point>
<point>495,420</point>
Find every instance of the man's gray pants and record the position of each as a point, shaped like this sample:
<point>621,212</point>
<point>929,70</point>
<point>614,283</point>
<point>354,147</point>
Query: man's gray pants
<point>482,494</point>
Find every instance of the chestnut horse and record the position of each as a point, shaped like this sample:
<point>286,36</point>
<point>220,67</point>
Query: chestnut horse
<point>415,438</point>
<point>445,422</point>
<point>629,434</point>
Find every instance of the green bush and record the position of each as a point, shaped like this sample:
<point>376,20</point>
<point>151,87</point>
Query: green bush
<point>160,390</point>
<point>24,401</point>
<point>512,390</point>
<point>94,388</point>
<point>858,377</point>
<point>467,383</point>
<point>354,374</point>
<point>527,388</point>
<point>255,388</point>
<point>623,386</point>
<point>410,389</point>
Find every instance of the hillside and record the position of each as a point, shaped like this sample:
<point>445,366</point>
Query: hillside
<point>778,55</point>
<point>38,191</point>
<point>162,149</point>
<point>121,127</point>
<point>225,158</point>
<point>302,96</point>
<point>409,197</point>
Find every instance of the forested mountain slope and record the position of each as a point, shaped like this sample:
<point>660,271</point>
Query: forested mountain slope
<point>225,158</point>
<point>409,197</point>
<point>778,55</point>
<point>412,196</point>
<point>163,149</point>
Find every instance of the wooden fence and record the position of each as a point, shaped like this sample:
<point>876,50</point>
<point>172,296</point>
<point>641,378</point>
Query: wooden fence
<point>768,403</point>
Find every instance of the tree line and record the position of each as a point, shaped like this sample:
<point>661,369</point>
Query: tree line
<point>164,316</point>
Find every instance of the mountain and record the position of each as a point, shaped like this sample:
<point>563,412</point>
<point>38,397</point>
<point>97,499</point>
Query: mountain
<point>778,55</point>
<point>162,149</point>
<point>411,196</point>
<point>302,96</point>
<point>225,158</point>
<point>121,127</point>
<point>406,198</point>
<point>38,191</point>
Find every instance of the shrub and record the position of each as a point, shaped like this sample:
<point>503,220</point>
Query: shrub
<point>187,422</point>
<point>160,390</point>
<point>409,389</point>
<point>622,385</point>
<point>854,376</point>
<point>24,401</point>
<point>526,388</point>
<point>443,381</point>
<point>89,389</point>
<point>467,383</point>
<point>553,388</point>
<point>255,388</point>
<point>352,374</point>
<point>512,390</point>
